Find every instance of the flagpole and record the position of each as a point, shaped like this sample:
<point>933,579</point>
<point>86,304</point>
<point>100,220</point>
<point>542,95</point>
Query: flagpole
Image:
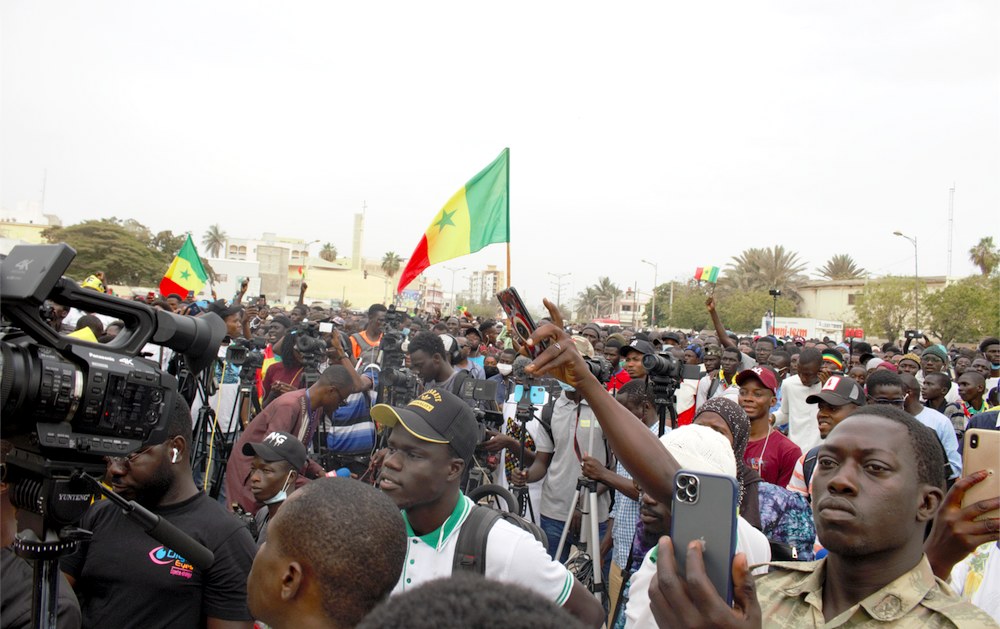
<point>508,217</point>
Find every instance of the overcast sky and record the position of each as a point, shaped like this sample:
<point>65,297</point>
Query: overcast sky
<point>679,132</point>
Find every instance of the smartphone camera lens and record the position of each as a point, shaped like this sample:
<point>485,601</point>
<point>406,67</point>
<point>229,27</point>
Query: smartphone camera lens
<point>974,441</point>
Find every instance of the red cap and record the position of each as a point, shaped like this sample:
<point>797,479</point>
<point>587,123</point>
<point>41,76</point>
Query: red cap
<point>764,376</point>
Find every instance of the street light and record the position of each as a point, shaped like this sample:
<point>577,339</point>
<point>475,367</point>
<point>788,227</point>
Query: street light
<point>559,285</point>
<point>453,271</point>
<point>652,318</point>
<point>916,280</point>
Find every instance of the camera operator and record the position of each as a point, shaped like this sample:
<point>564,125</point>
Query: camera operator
<point>298,412</point>
<point>124,578</point>
<point>560,458</point>
<point>15,596</point>
<point>633,353</point>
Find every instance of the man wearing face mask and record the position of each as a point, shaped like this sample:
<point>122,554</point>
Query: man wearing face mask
<point>277,461</point>
<point>504,376</point>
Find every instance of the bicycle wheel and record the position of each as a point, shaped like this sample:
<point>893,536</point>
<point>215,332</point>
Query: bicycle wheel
<point>495,497</point>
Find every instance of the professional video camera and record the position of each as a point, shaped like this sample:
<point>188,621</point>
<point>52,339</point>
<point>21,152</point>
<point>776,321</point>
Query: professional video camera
<point>311,347</point>
<point>665,373</point>
<point>66,403</point>
<point>397,384</point>
<point>248,355</point>
<point>600,367</point>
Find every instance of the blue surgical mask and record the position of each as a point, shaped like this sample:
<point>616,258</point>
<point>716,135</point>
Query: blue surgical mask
<point>406,331</point>
<point>282,495</point>
<point>566,387</point>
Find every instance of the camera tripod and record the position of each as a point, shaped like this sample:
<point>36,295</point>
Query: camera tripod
<point>213,443</point>
<point>590,537</point>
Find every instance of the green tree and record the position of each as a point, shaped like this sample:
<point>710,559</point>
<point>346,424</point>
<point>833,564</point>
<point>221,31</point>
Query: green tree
<point>328,252</point>
<point>608,295</point>
<point>841,267</point>
<point>965,311</point>
<point>885,305</point>
<point>985,255</point>
<point>390,264</point>
<point>587,304</point>
<point>764,269</point>
<point>214,240</point>
<point>688,312</point>
<point>108,245</point>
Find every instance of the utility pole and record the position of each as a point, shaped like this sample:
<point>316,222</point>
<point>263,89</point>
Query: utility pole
<point>916,280</point>
<point>652,319</point>
<point>453,271</point>
<point>951,226</point>
<point>558,285</point>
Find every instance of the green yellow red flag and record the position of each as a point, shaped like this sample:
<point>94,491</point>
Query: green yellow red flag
<point>708,274</point>
<point>476,216</point>
<point>186,272</point>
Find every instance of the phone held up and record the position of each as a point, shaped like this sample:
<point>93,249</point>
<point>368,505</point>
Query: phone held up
<point>704,509</point>
<point>520,319</point>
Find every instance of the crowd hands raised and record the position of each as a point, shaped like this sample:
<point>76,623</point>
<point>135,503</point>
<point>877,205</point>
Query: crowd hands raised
<point>351,512</point>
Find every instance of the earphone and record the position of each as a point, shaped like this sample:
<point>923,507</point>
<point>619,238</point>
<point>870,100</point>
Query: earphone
<point>173,459</point>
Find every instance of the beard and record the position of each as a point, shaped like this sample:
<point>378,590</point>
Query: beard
<point>151,494</point>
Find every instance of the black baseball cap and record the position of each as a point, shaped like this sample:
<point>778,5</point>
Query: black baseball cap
<point>637,345</point>
<point>279,446</point>
<point>436,416</point>
<point>838,391</point>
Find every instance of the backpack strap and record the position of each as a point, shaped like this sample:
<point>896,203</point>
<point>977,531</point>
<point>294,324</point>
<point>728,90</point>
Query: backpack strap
<point>809,464</point>
<point>470,548</point>
<point>713,386</point>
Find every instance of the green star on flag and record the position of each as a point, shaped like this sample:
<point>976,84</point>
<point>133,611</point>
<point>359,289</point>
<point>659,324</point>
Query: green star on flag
<point>186,272</point>
<point>445,220</point>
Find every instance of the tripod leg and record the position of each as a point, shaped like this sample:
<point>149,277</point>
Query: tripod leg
<point>568,522</point>
<point>594,540</point>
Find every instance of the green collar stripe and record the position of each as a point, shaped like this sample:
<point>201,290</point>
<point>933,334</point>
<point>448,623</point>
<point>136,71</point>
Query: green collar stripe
<point>432,539</point>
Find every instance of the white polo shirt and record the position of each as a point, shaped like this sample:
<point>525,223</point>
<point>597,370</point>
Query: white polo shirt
<point>512,555</point>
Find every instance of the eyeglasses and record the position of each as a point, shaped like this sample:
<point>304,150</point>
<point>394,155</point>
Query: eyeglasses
<point>888,402</point>
<point>128,458</point>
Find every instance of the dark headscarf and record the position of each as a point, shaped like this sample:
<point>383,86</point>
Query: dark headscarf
<point>739,424</point>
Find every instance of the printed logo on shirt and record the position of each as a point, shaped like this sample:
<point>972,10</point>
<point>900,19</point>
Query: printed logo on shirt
<point>756,462</point>
<point>179,567</point>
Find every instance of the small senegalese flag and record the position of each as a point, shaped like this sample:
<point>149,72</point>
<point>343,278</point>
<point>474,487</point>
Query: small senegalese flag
<point>186,272</point>
<point>476,216</point>
<point>708,274</point>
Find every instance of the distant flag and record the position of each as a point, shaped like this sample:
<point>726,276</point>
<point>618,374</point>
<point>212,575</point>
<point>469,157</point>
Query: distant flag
<point>476,216</point>
<point>708,274</point>
<point>186,272</point>
<point>302,272</point>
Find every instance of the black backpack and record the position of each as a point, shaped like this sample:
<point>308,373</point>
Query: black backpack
<point>470,548</point>
<point>809,465</point>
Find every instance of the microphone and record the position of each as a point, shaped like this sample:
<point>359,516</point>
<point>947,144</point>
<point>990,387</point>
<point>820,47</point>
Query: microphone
<point>159,528</point>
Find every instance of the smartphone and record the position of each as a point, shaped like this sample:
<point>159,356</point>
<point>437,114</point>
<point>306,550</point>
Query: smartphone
<point>520,320</point>
<point>325,326</point>
<point>536,394</point>
<point>982,452</point>
<point>704,508</point>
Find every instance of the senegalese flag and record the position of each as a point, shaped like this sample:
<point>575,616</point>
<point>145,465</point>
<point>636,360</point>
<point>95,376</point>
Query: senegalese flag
<point>476,216</point>
<point>708,274</point>
<point>186,272</point>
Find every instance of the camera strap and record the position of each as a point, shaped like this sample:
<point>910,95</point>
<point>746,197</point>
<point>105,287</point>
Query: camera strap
<point>308,424</point>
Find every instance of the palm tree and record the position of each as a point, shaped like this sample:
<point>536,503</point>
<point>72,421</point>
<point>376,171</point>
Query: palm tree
<point>329,252</point>
<point>841,267</point>
<point>588,303</point>
<point>214,240</point>
<point>763,269</point>
<point>607,295</point>
<point>390,264</point>
<point>985,255</point>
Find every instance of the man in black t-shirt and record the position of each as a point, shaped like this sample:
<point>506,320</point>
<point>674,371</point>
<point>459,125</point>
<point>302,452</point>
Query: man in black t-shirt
<point>124,578</point>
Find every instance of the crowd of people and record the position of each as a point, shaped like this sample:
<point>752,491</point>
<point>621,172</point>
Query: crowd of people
<point>342,506</point>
